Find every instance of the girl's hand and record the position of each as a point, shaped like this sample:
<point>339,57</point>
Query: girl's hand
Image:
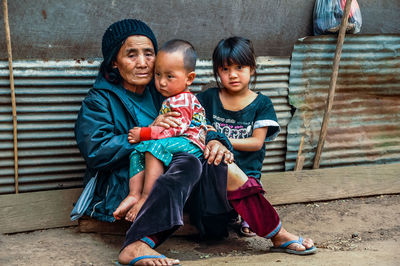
<point>134,135</point>
<point>215,152</point>
<point>167,120</point>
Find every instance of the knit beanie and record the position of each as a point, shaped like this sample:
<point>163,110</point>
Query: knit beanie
<point>121,30</point>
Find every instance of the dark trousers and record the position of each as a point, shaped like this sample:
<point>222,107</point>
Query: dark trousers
<point>162,213</point>
<point>209,207</point>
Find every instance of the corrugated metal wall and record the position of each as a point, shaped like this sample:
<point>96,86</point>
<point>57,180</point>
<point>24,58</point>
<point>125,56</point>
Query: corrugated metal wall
<point>364,125</point>
<point>6,134</point>
<point>273,81</point>
<point>49,94</point>
<point>48,97</point>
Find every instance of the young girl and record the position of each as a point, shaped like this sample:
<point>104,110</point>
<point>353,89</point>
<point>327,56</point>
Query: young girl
<point>174,72</point>
<point>247,118</point>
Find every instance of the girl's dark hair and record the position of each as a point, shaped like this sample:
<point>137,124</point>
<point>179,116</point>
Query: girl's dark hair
<point>234,50</point>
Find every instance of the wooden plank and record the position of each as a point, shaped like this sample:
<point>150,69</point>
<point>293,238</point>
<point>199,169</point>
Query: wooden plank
<point>49,209</point>
<point>37,210</point>
<point>90,225</point>
<point>331,183</point>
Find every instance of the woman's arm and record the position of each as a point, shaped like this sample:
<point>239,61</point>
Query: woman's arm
<point>253,143</point>
<point>95,133</point>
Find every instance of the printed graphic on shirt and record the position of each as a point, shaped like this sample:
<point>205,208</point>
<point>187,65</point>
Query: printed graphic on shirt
<point>193,121</point>
<point>233,129</point>
<point>198,120</point>
<point>165,109</point>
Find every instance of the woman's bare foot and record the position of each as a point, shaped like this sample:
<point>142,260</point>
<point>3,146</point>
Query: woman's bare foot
<point>133,212</point>
<point>125,206</point>
<point>138,249</point>
<point>284,236</point>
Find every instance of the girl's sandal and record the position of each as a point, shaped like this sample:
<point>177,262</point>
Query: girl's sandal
<point>243,230</point>
<point>284,248</point>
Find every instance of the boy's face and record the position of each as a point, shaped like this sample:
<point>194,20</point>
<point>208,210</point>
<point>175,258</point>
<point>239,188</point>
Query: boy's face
<point>170,75</point>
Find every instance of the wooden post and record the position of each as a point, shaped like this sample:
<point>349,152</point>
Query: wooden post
<point>13,102</point>
<point>332,84</point>
<point>300,158</point>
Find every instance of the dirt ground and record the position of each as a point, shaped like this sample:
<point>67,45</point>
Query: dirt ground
<point>360,231</point>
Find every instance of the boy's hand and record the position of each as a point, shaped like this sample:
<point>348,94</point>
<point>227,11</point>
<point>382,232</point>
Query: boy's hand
<point>134,135</point>
<point>167,120</point>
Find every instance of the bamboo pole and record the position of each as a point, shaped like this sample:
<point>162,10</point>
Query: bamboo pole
<point>13,102</point>
<point>332,84</point>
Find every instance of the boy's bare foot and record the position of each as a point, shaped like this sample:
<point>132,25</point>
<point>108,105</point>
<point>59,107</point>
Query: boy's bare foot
<point>124,207</point>
<point>284,236</point>
<point>133,212</point>
<point>138,249</point>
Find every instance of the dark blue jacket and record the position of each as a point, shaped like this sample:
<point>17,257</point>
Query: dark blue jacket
<point>101,132</point>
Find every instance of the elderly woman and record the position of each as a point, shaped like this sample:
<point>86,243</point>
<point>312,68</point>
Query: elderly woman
<point>123,97</point>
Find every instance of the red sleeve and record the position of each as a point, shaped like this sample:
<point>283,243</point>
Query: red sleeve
<point>145,133</point>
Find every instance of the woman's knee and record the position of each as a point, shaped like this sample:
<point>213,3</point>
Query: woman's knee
<point>184,168</point>
<point>193,162</point>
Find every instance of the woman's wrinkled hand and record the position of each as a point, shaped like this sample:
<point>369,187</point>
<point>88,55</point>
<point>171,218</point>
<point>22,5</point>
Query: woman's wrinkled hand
<point>167,120</point>
<point>134,135</point>
<point>215,152</point>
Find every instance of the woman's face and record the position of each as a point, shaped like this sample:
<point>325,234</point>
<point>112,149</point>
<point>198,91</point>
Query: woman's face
<point>135,62</point>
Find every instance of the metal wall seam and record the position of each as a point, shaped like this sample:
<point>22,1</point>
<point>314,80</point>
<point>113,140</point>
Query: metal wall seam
<point>364,126</point>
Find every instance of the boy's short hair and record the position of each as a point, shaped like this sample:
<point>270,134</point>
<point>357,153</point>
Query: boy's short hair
<point>187,50</point>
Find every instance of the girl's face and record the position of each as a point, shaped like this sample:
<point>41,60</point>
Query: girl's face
<point>235,78</point>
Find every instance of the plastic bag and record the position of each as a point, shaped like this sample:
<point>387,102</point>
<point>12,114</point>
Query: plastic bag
<point>84,199</point>
<point>328,14</point>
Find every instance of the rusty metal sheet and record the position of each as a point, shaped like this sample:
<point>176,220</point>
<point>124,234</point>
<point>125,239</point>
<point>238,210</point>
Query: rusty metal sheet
<point>364,126</point>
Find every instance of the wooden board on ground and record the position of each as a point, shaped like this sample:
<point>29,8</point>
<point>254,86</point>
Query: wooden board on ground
<point>37,210</point>
<point>49,209</point>
<point>331,183</point>
<point>90,225</point>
